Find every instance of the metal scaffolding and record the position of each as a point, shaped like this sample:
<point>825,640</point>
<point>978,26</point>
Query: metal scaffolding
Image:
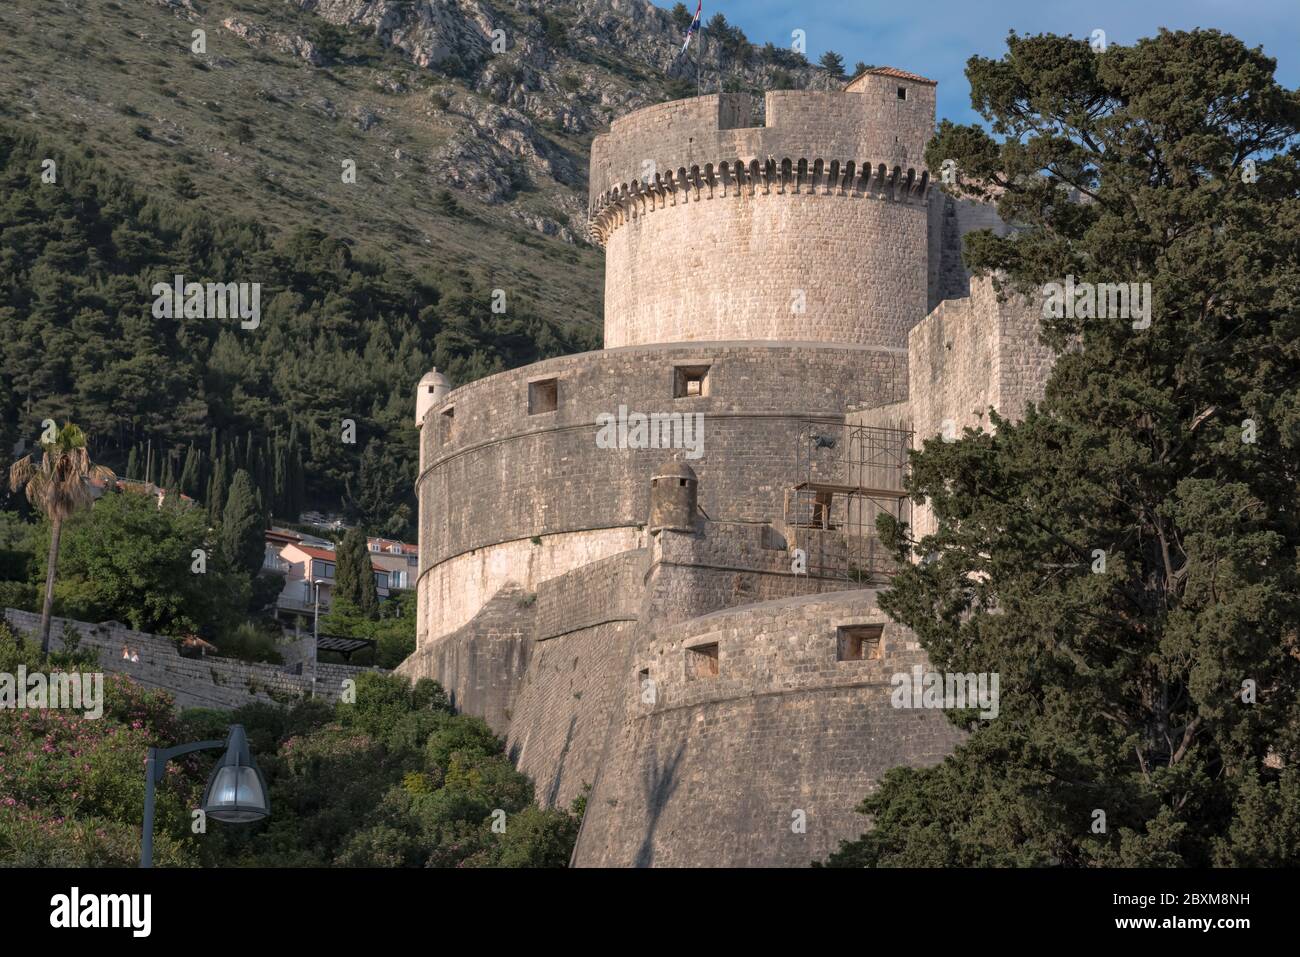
<point>846,475</point>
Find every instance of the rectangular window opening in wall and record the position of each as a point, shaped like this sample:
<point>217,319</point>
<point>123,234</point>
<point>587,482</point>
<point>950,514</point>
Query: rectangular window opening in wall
<point>448,423</point>
<point>543,396</point>
<point>690,381</point>
<point>902,92</point>
<point>702,661</point>
<point>858,642</point>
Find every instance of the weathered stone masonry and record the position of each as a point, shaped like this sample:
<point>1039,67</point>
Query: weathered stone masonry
<point>774,267</point>
<point>206,682</point>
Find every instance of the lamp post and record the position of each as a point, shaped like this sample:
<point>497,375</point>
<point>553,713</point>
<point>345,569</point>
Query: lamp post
<point>235,792</point>
<point>315,625</point>
<point>315,636</point>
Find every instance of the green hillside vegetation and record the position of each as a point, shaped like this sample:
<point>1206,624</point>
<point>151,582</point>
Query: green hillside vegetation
<point>250,132</point>
<point>342,337</point>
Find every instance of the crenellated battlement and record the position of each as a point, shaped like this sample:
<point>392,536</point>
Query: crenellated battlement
<point>736,179</point>
<point>888,120</point>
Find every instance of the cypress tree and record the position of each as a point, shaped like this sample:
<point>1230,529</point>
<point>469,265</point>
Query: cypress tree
<point>213,453</point>
<point>241,539</point>
<point>354,576</point>
<point>133,463</point>
<point>280,479</point>
<point>266,471</point>
<point>168,479</point>
<point>189,480</point>
<point>296,484</point>
<point>217,493</point>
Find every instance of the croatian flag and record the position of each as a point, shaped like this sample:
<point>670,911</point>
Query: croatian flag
<point>695,25</point>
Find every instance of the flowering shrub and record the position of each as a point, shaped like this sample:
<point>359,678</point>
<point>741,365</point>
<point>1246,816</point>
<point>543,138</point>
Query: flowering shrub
<point>72,787</point>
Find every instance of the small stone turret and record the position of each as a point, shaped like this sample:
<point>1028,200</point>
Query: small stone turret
<point>673,493</point>
<point>433,388</point>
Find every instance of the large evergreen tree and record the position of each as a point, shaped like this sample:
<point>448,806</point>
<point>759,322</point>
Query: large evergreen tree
<point>241,542</point>
<point>189,480</point>
<point>832,63</point>
<point>354,576</point>
<point>216,497</point>
<point>1125,558</point>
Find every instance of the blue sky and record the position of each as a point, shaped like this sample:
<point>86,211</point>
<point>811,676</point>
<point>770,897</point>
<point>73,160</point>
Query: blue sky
<point>935,38</point>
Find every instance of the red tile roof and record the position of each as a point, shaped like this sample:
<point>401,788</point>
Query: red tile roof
<point>326,554</point>
<point>383,543</point>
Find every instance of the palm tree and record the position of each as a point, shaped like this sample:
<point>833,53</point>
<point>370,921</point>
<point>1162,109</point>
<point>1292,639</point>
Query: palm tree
<point>58,487</point>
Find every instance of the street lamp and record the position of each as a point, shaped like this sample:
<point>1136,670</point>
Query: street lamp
<point>235,793</point>
<point>315,624</point>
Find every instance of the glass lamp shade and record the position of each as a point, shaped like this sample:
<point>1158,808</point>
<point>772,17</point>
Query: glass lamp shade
<point>236,792</point>
<point>236,795</point>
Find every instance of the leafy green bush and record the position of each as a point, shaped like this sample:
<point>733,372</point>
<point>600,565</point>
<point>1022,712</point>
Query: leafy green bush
<point>20,595</point>
<point>250,642</point>
<point>393,779</point>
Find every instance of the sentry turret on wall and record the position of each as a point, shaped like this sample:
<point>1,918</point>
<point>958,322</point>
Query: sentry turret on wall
<point>673,491</point>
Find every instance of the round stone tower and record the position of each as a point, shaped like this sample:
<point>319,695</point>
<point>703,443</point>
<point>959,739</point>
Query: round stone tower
<point>673,490</point>
<point>810,225</point>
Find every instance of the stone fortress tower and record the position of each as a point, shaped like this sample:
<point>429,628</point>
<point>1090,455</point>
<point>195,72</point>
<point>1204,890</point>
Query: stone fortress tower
<point>652,568</point>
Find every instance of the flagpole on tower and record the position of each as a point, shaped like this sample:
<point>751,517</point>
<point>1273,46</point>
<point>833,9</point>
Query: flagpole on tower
<point>699,52</point>
<point>696,26</point>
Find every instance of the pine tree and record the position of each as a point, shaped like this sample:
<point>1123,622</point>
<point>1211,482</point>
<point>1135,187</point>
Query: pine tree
<point>1123,558</point>
<point>832,63</point>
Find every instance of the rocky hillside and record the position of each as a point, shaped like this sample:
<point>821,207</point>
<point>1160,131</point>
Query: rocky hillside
<point>468,122</point>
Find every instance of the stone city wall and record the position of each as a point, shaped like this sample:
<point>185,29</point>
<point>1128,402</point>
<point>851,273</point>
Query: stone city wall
<point>206,682</point>
<point>969,355</point>
<point>714,772</point>
<point>497,474</point>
